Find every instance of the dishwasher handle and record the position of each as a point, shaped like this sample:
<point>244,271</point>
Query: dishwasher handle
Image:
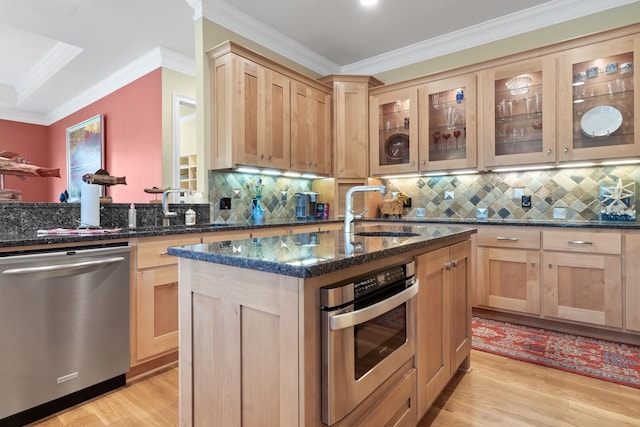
<point>62,268</point>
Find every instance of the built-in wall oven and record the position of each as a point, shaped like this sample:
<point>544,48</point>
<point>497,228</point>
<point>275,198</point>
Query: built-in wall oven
<point>367,334</point>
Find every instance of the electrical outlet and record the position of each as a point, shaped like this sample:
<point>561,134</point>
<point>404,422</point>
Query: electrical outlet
<point>526,201</point>
<point>225,203</point>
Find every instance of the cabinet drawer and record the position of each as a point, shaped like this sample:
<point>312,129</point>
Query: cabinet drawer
<point>152,252</point>
<point>509,237</point>
<point>582,241</point>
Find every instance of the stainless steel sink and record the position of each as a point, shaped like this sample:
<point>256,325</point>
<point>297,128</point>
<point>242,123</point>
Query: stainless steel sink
<point>386,234</point>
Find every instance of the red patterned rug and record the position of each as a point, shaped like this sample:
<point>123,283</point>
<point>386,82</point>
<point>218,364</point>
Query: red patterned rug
<point>605,360</point>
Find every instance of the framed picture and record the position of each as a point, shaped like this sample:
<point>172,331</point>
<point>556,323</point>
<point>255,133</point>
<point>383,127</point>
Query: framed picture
<point>85,153</point>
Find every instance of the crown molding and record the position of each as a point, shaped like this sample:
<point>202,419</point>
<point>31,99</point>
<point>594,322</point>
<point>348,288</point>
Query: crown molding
<point>23,117</point>
<point>231,18</point>
<point>531,19</point>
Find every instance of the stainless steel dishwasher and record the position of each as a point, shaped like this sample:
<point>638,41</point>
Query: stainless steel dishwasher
<point>64,329</point>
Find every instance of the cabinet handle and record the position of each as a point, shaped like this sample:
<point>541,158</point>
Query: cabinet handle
<point>509,239</point>
<point>579,242</point>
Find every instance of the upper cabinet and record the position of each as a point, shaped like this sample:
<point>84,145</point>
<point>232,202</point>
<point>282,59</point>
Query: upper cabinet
<point>597,101</point>
<point>258,106</point>
<point>310,130</point>
<point>393,131</point>
<point>447,124</point>
<point>517,113</point>
<point>350,124</point>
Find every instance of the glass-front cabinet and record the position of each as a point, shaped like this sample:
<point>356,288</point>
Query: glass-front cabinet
<point>447,124</point>
<point>597,101</point>
<point>393,131</point>
<point>517,113</point>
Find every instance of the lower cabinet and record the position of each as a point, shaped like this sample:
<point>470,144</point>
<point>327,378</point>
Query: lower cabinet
<point>443,326</point>
<point>509,269</point>
<point>583,277</point>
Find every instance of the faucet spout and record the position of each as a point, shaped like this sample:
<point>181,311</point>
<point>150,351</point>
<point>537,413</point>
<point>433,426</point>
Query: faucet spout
<point>166,213</point>
<point>349,215</point>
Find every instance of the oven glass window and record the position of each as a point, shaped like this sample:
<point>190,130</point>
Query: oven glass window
<point>378,338</point>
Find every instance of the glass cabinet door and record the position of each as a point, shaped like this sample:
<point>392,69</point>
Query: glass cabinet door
<point>393,132</point>
<point>518,113</point>
<point>597,102</point>
<point>448,124</point>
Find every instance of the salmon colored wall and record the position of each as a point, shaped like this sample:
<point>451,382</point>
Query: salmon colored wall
<point>133,139</point>
<point>29,141</point>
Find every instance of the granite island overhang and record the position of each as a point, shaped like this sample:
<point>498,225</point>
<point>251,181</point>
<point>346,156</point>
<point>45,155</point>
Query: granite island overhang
<point>314,254</point>
<point>250,324</point>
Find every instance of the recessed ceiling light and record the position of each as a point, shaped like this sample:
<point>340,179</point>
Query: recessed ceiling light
<point>368,2</point>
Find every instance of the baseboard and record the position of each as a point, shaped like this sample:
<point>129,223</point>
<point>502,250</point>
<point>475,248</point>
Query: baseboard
<point>152,365</point>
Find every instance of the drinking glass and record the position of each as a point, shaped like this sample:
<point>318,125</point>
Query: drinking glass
<point>435,100</point>
<point>456,134</point>
<point>450,116</point>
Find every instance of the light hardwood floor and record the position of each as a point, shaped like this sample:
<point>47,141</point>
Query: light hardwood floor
<point>497,392</point>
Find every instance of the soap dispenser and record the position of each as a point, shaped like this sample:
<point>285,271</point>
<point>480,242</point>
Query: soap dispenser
<point>190,217</point>
<point>132,216</point>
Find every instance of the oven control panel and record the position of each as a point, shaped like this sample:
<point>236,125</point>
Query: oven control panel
<point>379,280</point>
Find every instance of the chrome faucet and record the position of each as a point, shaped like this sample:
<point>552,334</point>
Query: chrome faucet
<point>349,215</point>
<point>166,213</point>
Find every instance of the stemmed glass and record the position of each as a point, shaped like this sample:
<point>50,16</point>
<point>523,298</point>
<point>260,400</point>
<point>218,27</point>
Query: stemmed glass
<point>446,137</point>
<point>436,138</point>
<point>456,134</point>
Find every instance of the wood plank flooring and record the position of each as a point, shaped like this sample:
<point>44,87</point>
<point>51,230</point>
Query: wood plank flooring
<point>497,392</point>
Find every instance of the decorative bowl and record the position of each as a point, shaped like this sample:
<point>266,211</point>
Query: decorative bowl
<point>518,85</point>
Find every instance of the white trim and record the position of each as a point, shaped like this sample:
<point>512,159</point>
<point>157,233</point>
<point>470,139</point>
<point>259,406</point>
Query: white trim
<point>176,100</point>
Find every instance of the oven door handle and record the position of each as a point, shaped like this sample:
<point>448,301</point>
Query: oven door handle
<point>353,318</point>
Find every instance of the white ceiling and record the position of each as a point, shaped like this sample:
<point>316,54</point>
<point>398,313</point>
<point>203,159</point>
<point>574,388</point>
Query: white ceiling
<point>57,56</point>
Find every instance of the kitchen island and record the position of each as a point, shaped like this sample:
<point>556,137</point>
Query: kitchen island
<point>250,340</point>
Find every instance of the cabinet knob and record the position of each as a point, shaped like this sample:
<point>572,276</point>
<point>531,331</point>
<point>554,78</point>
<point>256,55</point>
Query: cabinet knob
<point>454,262</point>
<point>261,156</point>
<point>413,163</point>
<point>549,151</point>
<point>566,150</point>
<point>533,264</point>
<point>424,162</point>
<point>269,156</point>
<point>550,265</point>
<point>447,265</point>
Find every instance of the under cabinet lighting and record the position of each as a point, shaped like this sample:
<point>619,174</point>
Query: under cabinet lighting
<point>621,162</point>
<point>412,175</point>
<point>310,176</point>
<point>292,174</point>
<point>577,165</point>
<point>271,172</point>
<point>368,2</point>
<point>522,168</point>
<point>248,170</point>
<point>464,172</point>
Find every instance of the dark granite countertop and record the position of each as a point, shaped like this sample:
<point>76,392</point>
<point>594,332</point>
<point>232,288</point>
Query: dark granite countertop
<point>315,254</point>
<point>17,239</point>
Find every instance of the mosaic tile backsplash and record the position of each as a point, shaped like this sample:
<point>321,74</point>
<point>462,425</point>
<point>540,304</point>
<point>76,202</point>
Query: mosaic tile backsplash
<point>278,196</point>
<point>573,194</point>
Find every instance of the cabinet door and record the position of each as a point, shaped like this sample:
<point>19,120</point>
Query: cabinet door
<point>351,139</point>
<point>583,287</point>
<point>509,279</point>
<point>459,267</point>
<point>517,113</point>
<point>632,282</point>
<point>597,101</point>
<point>157,311</point>
<point>447,114</point>
<point>248,77</point>
<point>310,130</point>
<point>432,353</point>
<point>393,132</point>
<point>275,124</point>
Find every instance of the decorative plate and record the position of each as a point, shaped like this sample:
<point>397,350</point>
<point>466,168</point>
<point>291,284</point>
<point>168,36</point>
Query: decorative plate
<point>601,121</point>
<point>397,146</point>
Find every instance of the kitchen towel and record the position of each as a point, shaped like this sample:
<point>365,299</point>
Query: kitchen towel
<point>89,205</point>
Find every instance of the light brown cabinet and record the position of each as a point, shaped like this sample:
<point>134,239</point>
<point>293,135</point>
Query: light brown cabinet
<point>265,115</point>
<point>447,124</point>
<point>597,101</point>
<point>350,124</point>
<point>393,131</point>
<point>508,269</point>
<point>155,299</point>
<point>517,113</point>
<point>582,276</point>
<point>310,129</point>
<point>443,326</point>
